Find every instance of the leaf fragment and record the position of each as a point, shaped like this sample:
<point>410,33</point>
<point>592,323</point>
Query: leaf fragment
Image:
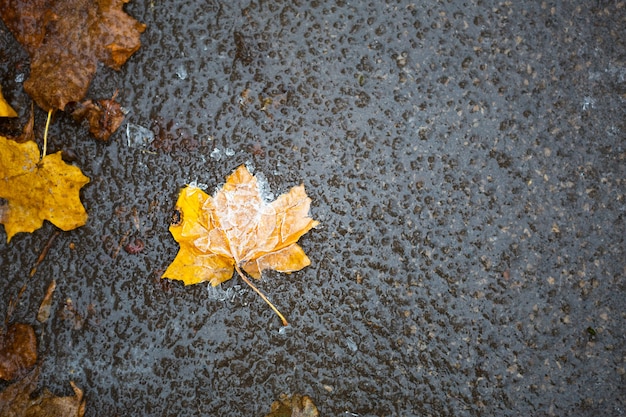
<point>43,314</point>
<point>295,406</point>
<point>104,116</point>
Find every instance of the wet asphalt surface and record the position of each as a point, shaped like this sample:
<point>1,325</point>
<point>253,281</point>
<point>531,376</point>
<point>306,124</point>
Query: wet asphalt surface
<point>466,160</point>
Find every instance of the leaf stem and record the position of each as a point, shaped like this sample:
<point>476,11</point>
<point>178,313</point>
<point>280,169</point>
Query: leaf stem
<point>247,281</point>
<point>45,135</point>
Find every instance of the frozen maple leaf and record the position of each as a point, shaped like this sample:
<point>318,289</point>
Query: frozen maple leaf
<point>35,190</point>
<point>65,40</point>
<point>237,230</point>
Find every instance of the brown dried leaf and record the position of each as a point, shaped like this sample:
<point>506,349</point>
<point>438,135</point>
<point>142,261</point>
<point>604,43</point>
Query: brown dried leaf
<point>15,400</point>
<point>49,405</point>
<point>104,116</point>
<point>18,350</point>
<point>66,39</point>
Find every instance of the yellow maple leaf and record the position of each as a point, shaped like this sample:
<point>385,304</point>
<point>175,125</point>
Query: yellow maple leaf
<point>236,229</point>
<point>36,190</point>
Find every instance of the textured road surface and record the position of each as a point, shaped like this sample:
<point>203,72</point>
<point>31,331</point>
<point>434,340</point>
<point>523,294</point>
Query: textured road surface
<point>466,160</point>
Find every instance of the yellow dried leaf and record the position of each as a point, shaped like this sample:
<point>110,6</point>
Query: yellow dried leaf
<point>236,227</point>
<point>295,406</point>
<point>35,190</point>
<point>5,109</point>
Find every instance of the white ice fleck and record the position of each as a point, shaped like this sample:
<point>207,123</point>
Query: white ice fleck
<point>264,188</point>
<point>218,293</point>
<point>216,154</point>
<point>588,103</point>
<point>199,185</point>
<point>250,165</point>
<point>138,136</point>
<point>19,78</point>
<point>351,344</point>
<point>284,329</point>
<point>181,72</point>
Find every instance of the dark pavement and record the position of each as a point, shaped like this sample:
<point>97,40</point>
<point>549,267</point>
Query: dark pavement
<point>466,160</point>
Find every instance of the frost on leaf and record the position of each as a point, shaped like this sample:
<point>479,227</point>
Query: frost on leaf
<point>236,228</point>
